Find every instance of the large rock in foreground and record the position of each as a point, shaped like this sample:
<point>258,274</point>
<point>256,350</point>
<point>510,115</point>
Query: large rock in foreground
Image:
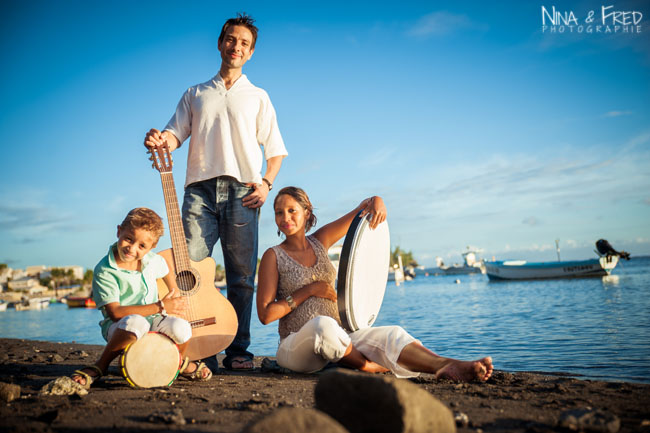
<point>381,404</point>
<point>295,420</point>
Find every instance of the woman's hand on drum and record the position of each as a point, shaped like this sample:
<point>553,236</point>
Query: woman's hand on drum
<point>174,303</point>
<point>321,289</point>
<point>376,208</point>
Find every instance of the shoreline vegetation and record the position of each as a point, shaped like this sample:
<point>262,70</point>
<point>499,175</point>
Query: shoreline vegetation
<point>508,402</point>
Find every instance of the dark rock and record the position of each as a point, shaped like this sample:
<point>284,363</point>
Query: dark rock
<point>174,416</point>
<point>49,416</point>
<point>295,420</point>
<point>461,419</point>
<point>379,403</point>
<point>79,354</point>
<point>9,392</point>
<point>56,358</point>
<point>589,420</point>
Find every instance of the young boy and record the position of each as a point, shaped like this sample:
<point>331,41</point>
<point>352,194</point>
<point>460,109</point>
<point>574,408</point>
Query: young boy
<point>125,289</point>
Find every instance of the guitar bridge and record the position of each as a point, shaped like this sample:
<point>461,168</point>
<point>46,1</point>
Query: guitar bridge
<point>203,322</point>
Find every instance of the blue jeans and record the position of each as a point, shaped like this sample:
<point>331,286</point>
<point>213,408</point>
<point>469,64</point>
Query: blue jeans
<point>213,210</point>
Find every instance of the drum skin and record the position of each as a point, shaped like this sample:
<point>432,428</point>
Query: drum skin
<point>363,273</point>
<point>151,361</point>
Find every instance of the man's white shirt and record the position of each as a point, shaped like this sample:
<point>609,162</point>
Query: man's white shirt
<point>226,129</point>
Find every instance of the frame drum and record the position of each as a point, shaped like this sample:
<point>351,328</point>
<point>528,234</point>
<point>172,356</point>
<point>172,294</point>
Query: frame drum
<point>363,273</point>
<point>151,361</point>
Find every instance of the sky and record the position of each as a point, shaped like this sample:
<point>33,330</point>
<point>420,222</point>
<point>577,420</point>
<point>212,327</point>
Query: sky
<point>481,124</point>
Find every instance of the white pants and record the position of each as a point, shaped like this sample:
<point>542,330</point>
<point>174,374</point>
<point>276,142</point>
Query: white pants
<point>322,340</point>
<point>175,328</point>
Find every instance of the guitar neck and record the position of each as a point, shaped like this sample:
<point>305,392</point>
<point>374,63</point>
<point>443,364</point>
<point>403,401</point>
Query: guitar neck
<point>179,246</point>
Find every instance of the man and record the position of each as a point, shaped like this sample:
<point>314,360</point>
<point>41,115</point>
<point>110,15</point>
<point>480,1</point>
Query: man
<point>228,119</point>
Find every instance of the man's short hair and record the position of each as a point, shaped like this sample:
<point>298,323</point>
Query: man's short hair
<point>241,20</point>
<point>146,219</point>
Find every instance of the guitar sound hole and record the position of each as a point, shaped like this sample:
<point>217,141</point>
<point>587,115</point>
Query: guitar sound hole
<point>186,281</point>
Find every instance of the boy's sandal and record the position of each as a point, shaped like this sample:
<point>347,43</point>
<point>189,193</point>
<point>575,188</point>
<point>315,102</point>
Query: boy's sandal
<point>89,379</point>
<point>196,375</point>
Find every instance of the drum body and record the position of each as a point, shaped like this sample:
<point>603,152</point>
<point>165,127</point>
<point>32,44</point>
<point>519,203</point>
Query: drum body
<point>151,361</point>
<point>363,273</point>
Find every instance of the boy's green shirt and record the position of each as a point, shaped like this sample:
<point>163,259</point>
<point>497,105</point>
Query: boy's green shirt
<point>113,284</point>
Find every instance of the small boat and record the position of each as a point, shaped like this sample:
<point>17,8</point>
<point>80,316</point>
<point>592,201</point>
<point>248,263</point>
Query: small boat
<point>32,304</point>
<point>80,302</point>
<point>3,306</point>
<point>471,264</point>
<point>523,270</point>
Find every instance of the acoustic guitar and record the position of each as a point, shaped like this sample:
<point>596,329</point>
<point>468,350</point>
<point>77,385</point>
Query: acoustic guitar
<point>212,316</point>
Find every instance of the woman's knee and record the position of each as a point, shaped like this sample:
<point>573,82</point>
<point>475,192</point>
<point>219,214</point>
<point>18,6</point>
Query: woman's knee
<point>331,341</point>
<point>323,325</point>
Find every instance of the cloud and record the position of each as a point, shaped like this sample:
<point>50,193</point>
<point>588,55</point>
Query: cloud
<point>14,217</point>
<point>531,221</point>
<point>37,220</point>
<point>617,113</point>
<point>116,203</point>
<point>377,158</point>
<point>443,23</point>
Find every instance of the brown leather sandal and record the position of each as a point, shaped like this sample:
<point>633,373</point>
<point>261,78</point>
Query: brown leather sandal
<point>196,375</point>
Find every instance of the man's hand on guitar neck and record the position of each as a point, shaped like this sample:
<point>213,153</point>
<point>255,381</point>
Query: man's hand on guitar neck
<point>155,138</point>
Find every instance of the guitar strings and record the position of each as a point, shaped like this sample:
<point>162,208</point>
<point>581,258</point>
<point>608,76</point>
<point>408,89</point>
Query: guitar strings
<point>179,248</point>
<point>183,266</point>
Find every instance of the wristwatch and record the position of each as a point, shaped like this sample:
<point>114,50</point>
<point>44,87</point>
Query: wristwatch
<point>291,302</point>
<point>269,184</point>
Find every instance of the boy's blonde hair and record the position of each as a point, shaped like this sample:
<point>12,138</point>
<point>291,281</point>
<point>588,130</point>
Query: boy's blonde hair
<point>146,219</point>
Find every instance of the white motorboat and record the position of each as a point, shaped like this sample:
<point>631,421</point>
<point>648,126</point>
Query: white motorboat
<point>32,304</point>
<point>523,270</point>
<point>472,264</point>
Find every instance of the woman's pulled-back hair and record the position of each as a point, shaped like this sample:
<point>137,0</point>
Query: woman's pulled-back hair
<point>299,195</point>
<point>146,219</point>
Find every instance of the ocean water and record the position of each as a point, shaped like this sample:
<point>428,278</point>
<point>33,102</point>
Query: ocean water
<point>591,328</point>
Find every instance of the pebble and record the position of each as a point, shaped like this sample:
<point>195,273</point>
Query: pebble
<point>80,353</point>
<point>56,358</point>
<point>588,419</point>
<point>462,420</point>
<point>9,392</point>
<point>174,416</point>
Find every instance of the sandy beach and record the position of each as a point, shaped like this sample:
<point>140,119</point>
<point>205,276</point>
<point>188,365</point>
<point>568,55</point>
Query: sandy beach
<point>508,402</point>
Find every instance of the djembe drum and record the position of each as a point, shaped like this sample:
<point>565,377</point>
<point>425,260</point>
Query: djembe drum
<point>153,360</point>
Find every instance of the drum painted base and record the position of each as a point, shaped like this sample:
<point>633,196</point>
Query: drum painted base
<point>151,361</point>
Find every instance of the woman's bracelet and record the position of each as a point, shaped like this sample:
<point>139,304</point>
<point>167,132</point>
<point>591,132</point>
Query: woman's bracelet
<point>291,302</point>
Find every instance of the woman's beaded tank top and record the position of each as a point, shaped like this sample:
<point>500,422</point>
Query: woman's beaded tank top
<point>292,276</point>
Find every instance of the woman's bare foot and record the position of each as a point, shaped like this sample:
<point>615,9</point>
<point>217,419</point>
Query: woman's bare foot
<point>467,371</point>
<point>373,367</point>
